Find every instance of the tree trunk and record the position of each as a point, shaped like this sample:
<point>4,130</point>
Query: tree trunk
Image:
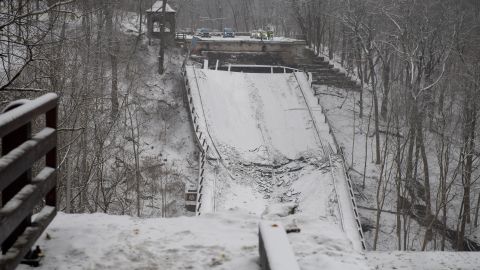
<point>163,43</point>
<point>428,205</point>
<point>386,85</point>
<point>468,146</point>
<point>112,51</point>
<point>375,107</point>
<point>360,75</point>
<point>398,183</point>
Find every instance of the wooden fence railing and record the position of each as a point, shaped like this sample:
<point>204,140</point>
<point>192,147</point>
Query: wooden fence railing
<point>20,193</point>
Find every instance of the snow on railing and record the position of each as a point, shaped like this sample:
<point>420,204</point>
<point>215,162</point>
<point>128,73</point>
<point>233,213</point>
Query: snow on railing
<point>310,112</point>
<point>340,153</point>
<point>276,253</point>
<point>271,68</point>
<point>266,66</point>
<point>201,142</point>
<point>344,193</point>
<point>20,192</point>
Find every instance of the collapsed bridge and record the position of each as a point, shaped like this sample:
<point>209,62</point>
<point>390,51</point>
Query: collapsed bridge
<point>266,144</point>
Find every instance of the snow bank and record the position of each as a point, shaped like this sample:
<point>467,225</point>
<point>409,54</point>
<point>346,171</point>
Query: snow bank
<point>225,240</point>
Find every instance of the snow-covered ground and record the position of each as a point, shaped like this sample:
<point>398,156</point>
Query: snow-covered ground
<point>226,240</point>
<point>423,260</point>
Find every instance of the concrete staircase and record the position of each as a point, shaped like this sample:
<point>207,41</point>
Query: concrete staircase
<point>324,73</point>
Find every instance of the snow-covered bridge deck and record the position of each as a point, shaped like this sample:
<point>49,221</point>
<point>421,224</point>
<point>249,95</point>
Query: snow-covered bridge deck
<point>268,148</point>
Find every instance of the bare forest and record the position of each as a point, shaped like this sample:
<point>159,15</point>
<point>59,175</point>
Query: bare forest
<point>118,116</point>
<point>418,63</point>
<point>126,143</point>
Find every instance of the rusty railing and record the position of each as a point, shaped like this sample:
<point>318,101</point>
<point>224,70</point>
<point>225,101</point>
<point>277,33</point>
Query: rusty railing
<point>20,192</point>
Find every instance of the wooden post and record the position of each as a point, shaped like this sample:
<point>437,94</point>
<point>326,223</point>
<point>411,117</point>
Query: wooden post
<point>20,192</point>
<point>10,142</point>
<point>51,157</point>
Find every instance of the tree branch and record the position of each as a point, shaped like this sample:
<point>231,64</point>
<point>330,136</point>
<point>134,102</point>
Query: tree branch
<point>39,12</point>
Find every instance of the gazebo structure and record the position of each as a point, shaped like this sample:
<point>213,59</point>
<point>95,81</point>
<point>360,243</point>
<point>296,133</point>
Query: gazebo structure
<point>154,21</point>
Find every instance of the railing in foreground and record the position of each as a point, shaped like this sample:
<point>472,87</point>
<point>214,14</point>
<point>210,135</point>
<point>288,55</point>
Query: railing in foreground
<point>20,192</point>
<point>275,250</point>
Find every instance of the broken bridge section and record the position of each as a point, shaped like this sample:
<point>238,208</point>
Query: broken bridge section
<point>266,144</point>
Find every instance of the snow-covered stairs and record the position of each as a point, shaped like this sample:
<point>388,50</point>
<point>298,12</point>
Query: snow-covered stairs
<point>324,73</point>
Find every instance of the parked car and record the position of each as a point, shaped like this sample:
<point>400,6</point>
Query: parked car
<point>204,32</point>
<point>228,32</point>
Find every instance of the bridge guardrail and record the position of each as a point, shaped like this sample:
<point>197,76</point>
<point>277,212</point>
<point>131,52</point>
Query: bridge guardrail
<point>340,153</point>
<point>275,250</point>
<point>271,67</point>
<point>20,192</point>
<point>201,142</point>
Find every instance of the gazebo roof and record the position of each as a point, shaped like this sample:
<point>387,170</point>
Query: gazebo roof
<point>157,7</point>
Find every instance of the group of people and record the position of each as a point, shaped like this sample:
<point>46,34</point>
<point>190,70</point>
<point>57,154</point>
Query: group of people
<point>269,34</point>
<point>262,34</point>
